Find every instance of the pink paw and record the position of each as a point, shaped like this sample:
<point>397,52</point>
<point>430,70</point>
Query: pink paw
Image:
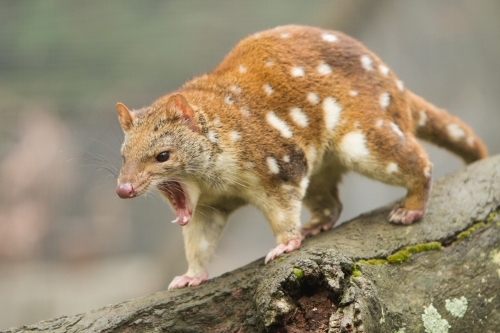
<point>400,215</point>
<point>283,247</point>
<point>184,280</point>
<point>312,231</point>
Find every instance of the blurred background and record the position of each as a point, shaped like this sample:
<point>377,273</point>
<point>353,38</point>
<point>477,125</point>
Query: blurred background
<point>68,244</point>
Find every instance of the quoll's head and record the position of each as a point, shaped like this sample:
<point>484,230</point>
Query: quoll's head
<point>161,149</point>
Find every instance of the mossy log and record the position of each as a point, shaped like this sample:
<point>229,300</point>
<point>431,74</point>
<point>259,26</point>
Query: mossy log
<point>441,274</point>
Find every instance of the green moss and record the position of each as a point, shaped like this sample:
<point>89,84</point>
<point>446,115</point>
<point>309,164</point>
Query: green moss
<point>466,233</point>
<point>281,259</point>
<point>372,262</point>
<point>377,261</point>
<point>492,216</point>
<point>398,257</point>
<point>403,255</point>
<point>356,272</point>
<point>298,273</point>
<point>432,246</point>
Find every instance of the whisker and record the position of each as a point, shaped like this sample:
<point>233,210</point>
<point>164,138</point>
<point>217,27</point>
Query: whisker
<point>113,149</point>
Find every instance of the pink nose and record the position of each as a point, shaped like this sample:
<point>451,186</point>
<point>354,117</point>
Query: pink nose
<point>125,191</point>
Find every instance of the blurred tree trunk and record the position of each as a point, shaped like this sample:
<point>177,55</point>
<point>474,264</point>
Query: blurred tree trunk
<point>355,278</point>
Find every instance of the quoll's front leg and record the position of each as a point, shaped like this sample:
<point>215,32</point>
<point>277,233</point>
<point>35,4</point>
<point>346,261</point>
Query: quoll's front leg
<point>200,238</point>
<point>283,215</point>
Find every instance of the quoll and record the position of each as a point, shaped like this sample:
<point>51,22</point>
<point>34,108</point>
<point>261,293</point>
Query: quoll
<point>276,124</point>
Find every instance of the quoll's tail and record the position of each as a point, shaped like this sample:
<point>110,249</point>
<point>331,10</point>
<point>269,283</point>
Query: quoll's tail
<point>439,127</point>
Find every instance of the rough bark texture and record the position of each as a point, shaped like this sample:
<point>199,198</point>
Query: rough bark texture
<point>332,284</point>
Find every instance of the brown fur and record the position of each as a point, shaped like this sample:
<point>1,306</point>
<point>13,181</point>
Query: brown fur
<point>233,138</point>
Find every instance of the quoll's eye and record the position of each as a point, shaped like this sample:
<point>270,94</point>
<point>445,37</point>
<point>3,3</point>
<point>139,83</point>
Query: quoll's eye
<point>163,157</point>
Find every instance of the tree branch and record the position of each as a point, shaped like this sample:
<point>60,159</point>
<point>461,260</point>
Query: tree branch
<point>365,276</point>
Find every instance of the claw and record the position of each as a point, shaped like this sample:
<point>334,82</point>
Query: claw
<point>400,215</point>
<point>316,229</point>
<point>186,281</point>
<point>283,247</point>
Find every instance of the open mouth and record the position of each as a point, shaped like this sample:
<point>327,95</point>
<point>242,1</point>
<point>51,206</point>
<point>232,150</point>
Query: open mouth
<point>174,191</point>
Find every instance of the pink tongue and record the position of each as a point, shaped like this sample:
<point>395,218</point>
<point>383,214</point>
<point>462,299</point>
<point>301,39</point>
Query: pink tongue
<point>183,216</point>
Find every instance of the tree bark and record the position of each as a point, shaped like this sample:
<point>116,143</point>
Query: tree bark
<point>441,274</point>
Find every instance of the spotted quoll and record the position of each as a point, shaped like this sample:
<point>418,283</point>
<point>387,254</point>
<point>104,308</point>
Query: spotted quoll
<point>276,124</point>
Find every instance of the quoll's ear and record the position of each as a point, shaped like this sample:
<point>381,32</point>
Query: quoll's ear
<point>124,116</point>
<point>178,107</point>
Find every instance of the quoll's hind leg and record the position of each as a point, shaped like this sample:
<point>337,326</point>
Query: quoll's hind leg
<point>200,238</point>
<point>282,211</point>
<point>414,204</point>
<point>395,158</point>
<point>416,176</point>
<point>323,202</point>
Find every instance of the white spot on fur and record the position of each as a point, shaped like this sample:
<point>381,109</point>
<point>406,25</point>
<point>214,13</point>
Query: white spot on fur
<point>323,68</point>
<point>353,146</point>
<point>384,100</point>
<point>384,70</point>
<point>332,111</point>
<point>353,93</point>
<point>242,69</point>
<point>217,122</point>
<point>366,62</point>
<point>304,183</point>
<point>427,172</point>
<point>392,168</point>
<point>285,35</point>
<point>235,136</point>
<point>249,165</point>
<point>269,63</point>
<point>327,212</point>
<point>329,37</point>
<point>228,100</point>
<point>423,118</point>
<point>395,128</point>
<point>245,112</point>
<point>471,141</point>
<point>297,71</point>
<point>268,89</point>
<point>299,117</point>
<point>286,158</point>
<point>235,89</point>
<point>379,123</point>
<point>455,132</point>
<point>279,124</point>
<point>272,164</point>
<point>400,84</point>
<point>212,136</point>
<point>313,98</point>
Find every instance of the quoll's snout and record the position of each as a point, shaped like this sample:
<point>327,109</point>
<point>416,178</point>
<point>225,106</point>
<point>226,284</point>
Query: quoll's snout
<point>125,191</point>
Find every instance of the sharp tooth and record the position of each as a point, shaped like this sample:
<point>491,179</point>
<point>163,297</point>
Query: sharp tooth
<point>176,220</point>
<point>185,219</point>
